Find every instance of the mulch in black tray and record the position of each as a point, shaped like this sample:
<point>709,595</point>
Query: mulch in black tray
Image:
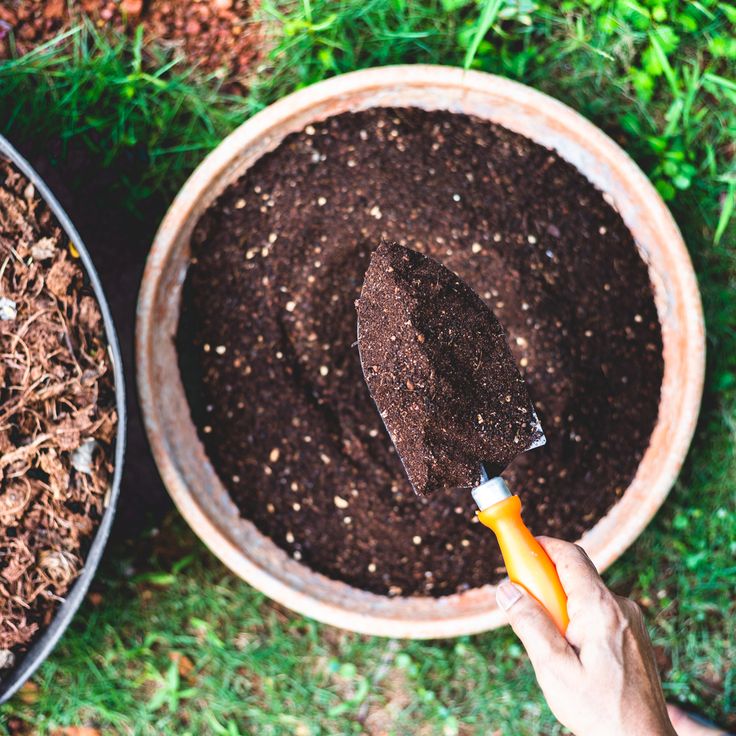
<point>118,241</point>
<point>57,414</point>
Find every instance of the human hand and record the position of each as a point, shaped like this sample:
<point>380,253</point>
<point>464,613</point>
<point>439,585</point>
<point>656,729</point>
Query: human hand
<point>600,678</point>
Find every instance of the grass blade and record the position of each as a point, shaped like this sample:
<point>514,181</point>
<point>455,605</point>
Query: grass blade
<point>719,81</point>
<point>487,18</point>
<point>727,210</point>
<point>664,62</point>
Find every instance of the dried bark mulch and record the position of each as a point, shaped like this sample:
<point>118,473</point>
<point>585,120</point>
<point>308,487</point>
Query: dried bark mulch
<point>119,244</point>
<point>215,35</point>
<point>268,338</point>
<point>57,415</point>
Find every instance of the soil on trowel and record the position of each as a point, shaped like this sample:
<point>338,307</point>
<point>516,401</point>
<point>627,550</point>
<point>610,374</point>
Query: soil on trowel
<point>57,416</point>
<point>269,355</point>
<point>438,365</point>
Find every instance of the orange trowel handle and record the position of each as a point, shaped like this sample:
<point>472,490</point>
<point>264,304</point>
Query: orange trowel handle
<point>526,561</point>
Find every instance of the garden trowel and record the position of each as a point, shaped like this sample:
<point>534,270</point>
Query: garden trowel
<point>439,368</point>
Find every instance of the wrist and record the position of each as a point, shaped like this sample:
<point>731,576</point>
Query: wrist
<point>630,724</point>
<point>628,729</point>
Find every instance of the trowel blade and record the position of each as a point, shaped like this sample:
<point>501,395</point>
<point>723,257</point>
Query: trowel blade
<point>439,368</point>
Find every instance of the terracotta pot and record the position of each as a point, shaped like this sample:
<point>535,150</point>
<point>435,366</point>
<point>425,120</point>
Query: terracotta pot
<point>188,474</point>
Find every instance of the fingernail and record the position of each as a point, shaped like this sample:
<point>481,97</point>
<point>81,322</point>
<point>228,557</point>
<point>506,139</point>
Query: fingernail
<point>507,594</point>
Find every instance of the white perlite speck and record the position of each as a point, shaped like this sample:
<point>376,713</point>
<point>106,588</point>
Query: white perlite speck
<point>43,249</point>
<point>81,458</point>
<point>8,309</point>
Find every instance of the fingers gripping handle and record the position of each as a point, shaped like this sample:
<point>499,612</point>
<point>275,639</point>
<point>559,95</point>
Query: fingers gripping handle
<point>526,561</point>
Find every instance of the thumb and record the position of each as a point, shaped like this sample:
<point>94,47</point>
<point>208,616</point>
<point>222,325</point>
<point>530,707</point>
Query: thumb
<point>531,623</point>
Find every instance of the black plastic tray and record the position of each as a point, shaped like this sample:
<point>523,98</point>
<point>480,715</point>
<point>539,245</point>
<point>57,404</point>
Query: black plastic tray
<point>27,664</point>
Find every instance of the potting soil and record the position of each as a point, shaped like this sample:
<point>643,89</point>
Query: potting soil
<point>57,416</point>
<point>268,339</point>
<point>438,365</point>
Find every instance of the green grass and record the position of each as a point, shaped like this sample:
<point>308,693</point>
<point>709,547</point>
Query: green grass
<point>127,104</point>
<point>256,667</point>
<point>658,76</point>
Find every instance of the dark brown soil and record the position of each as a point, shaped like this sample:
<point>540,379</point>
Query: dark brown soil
<point>268,337</point>
<point>57,416</point>
<point>438,365</point>
<point>215,35</point>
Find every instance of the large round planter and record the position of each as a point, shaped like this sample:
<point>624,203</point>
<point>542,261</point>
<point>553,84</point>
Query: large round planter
<point>188,474</point>
<point>27,664</point>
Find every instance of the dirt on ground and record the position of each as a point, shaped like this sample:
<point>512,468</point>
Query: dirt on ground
<point>214,35</point>
<point>57,415</point>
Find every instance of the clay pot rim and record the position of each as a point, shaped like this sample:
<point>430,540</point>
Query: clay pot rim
<point>519,108</point>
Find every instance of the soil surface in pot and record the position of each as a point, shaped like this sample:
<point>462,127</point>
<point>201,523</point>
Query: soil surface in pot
<point>268,339</point>
<point>438,365</point>
<point>57,415</point>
